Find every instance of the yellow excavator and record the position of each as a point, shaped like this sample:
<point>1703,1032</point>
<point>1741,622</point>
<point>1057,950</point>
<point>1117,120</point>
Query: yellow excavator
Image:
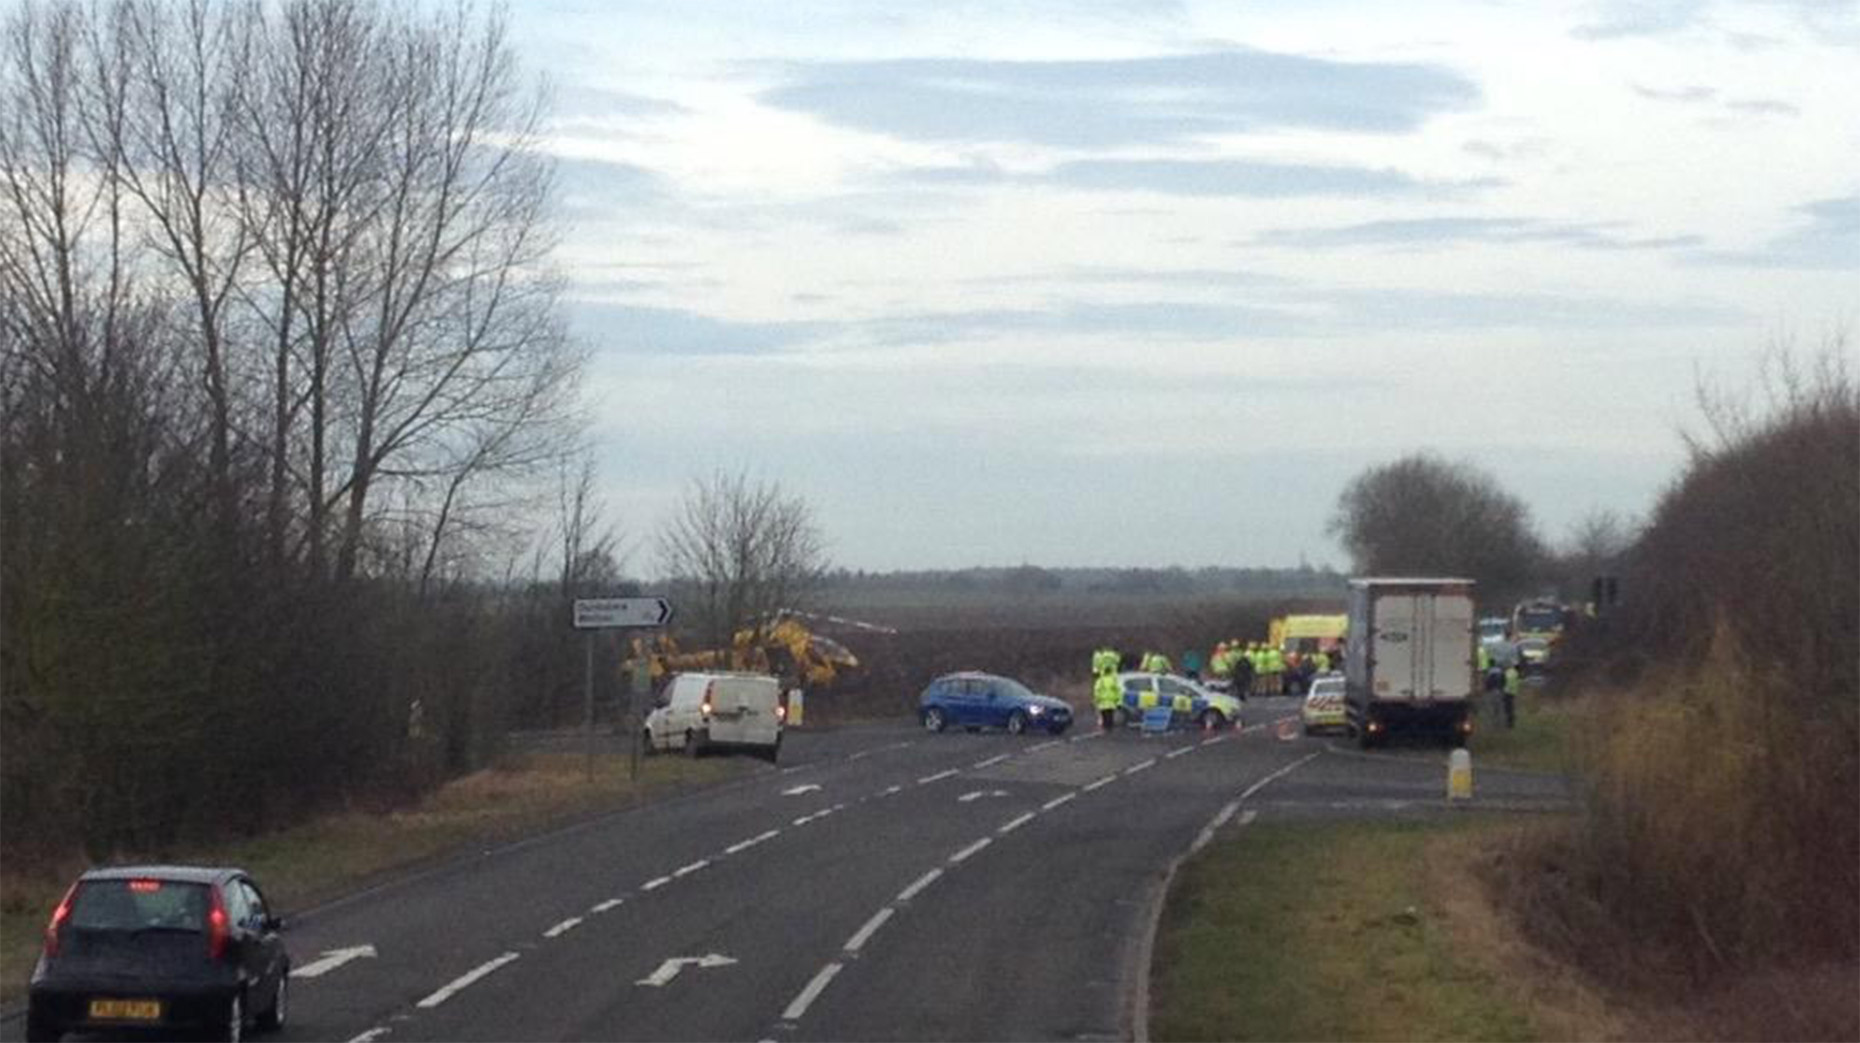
<point>785,647</point>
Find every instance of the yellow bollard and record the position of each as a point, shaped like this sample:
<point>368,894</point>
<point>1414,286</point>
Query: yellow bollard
<point>797,706</point>
<point>1459,775</point>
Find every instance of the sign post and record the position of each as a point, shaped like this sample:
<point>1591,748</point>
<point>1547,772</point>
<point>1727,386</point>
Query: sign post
<point>593,614</point>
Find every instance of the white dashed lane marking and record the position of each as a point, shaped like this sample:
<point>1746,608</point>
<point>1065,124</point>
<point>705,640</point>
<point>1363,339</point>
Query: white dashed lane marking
<point>1056,801</point>
<point>1106,781</point>
<point>464,981</point>
<point>864,934</point>
<point>655,883</point>
<point>563,928</point>
<point>611,903</point>
<point>1142,766</point>
<point>692,868</point>
<point>798,1009</point>
<point>970,850</point>
<point>1015,823</point>
<point>917,886</point>
<point>939,776</point>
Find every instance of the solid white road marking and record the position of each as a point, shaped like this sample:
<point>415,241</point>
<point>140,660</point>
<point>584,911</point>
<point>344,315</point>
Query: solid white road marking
<point>692,868</point>
<point>864,934</point>
<point>1106,781</point>
<point>332,959</point>
<point>669,969</point>
<point>563,928</point>
<point>611,903</point>
<point>655,883</point>
<point>970,850</point>
<point>990,761</point>
<point>918,885</point>
<point>464,981</point>
<point>1261,784</point>
<point>1056,801</point>
<point>1134,768</point>
<point>808,995</point>
<point>927,779</point>
<point>795,791</point>
<point>1015,823</point>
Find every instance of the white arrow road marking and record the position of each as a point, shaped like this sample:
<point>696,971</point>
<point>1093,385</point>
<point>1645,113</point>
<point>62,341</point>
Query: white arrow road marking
<point>332,959</point>
<point>795,791</point>
<point>979,794</point>
<point>464,981</point>
<point>670,968</point>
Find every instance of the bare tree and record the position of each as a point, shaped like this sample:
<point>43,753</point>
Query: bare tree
<point>1422,515</point>
<point>740,551</point>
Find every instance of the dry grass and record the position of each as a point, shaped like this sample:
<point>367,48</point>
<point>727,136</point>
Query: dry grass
<point>332,854</point>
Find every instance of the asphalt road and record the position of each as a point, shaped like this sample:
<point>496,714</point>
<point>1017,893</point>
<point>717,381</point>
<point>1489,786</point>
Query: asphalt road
<point>882,884</point>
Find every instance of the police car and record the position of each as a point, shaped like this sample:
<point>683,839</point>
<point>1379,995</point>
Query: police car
<point>1324,704</point>
<point>1186,700</point>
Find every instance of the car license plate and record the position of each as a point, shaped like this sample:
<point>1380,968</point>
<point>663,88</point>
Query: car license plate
<point>126,1010</point>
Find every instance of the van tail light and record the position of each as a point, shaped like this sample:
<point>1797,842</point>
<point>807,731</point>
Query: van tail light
<point>216,926</point>
<point>59,916</point>
<point>781,711</point>
<point>709,689</point>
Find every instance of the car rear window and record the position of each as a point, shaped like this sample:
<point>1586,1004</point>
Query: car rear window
<point>131,905</point>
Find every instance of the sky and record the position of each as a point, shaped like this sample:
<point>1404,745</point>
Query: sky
<point>1146,284</point>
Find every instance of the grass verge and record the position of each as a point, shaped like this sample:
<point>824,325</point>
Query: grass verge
<point>1346,931</point>
<point>328,856</point>
<point>1539,742</point>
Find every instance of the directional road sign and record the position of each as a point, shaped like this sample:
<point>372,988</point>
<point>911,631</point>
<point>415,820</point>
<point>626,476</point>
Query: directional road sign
<point>611,613</point>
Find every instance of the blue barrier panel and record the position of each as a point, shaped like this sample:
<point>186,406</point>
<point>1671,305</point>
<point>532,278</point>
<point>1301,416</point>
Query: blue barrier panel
<point>1156,719</point>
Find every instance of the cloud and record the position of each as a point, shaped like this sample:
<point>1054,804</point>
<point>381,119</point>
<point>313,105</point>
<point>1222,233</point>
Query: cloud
<point>1441,231</point>
<point>1119,102</point>
<point>581,100</point>
<point>1425,310</point>
<point>1687,95</point>
<point>1199,177</point>
<point>1828,238</point>
<point>1234,177</point>
<point>636,330</point>
<point>1643,18</point>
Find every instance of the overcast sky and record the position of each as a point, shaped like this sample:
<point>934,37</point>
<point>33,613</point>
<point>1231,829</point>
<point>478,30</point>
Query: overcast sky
<point>1147,283</point>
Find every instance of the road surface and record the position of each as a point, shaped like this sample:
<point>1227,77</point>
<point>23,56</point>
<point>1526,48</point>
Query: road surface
<point>881,884</point>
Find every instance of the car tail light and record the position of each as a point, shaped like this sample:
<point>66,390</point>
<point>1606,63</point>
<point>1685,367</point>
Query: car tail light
<point>59,916</point>
<point>143,887</point>
<point>216,925</point>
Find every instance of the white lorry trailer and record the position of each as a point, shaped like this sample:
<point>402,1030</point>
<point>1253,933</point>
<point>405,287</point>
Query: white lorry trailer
<point>1409,662</point>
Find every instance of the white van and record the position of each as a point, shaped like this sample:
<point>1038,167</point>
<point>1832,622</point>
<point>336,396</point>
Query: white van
<point>701,712</point>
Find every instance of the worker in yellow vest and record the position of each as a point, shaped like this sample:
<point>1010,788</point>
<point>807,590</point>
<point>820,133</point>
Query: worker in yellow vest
<point>1105,695</point>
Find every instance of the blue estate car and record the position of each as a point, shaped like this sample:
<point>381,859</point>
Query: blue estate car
<point>976,700</point>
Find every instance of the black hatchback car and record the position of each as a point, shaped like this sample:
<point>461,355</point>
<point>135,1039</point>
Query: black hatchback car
<point>161,947</point>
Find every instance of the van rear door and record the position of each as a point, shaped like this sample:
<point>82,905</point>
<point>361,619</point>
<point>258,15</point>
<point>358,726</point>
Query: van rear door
<point>743,710</point>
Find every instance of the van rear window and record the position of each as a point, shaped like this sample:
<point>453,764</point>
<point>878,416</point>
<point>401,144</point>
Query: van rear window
<point>132,905</point>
